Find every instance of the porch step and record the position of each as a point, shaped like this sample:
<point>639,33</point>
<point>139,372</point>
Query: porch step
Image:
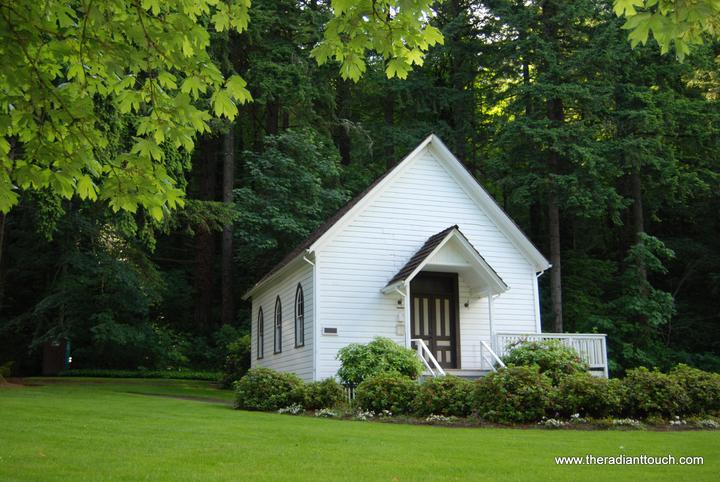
<point>469,374</point>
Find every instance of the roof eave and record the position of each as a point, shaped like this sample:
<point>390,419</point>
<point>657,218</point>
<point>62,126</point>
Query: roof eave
<point>538,261</point>
<point>293,264</point>
<point>393,287</point>
<point>370,194</point>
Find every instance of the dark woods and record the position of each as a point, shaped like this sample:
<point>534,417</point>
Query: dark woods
<point>606,156</point>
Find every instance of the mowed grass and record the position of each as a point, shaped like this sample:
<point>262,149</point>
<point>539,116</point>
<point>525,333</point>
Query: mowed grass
<point>94,429</point>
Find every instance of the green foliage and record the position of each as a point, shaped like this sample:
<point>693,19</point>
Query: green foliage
<point>641,310</point>
<point>387,391</point>
<point>513,395</point>
<point>588,396</point>
<point>397,31</point>
<point>267,390</point>
<point>678,23</point>
<point>327,393</point>
<point>237,360</point>
<point>382,355</point>
<point>149,61</point>
<point>243,442</point>
<point>181,374</point>
<point>449,396</point>
<point>310,139</point>
<point>552,357</point>
<point>702,388</point>
<point>653,393</point>
<point>6,369</point>
<point>288,189</point>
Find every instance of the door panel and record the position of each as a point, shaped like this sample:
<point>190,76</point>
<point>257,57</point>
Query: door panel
<point>433,314</point>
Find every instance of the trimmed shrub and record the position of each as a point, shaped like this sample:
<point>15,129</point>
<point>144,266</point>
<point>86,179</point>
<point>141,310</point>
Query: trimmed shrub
<point>552,357</point>
<point>382,355</point>
<point>513,395</point>
<point>237,360</point>
<point>6,369</point>
<point>588,396</point>
<point>702,388</point>
<point>448,396</point>
<point>181,374</point>
<point>653,393</point>
<point>387,391</point>
<point>267,390</point>
<point>324,394</point>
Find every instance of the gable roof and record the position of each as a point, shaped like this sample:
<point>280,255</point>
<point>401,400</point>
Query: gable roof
<point>506,225</point>
<point>421,255</point>
<point>432,246</point>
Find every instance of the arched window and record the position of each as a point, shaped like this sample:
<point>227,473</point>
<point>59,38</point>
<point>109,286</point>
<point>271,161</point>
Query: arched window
<point>260,334</point>
<point>299,317</point>
<point>278,326</point>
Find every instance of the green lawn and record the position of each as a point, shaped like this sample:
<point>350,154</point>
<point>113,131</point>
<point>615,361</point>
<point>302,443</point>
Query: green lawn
<point>94,429</point>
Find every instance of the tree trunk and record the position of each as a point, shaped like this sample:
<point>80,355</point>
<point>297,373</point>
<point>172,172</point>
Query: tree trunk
<point>226,264</point>
<point>205,239</point>
<point>272,119</point>
<point>463,110</point>
<point>556,116</point>
<point>342,131</point>
<point>555,260</point>
<point>638,221</point>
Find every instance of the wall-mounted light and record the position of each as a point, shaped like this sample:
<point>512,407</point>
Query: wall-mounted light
<point>467,304</point>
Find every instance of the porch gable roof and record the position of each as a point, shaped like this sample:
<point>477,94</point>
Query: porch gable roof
<point>424,256</point>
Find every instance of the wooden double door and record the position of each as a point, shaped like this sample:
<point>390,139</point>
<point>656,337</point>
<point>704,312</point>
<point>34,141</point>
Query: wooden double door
<point>434,315</point>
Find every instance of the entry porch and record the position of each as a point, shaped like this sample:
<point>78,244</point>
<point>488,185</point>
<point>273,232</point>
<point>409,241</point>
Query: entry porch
<point>461,316</point>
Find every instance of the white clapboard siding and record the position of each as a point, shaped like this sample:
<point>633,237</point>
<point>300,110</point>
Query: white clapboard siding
<point>297,360</point>
<point>358,260</point>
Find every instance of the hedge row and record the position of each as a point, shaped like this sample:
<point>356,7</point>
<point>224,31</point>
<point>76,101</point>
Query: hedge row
<point>520,394</point>
<point>108,373</point>
<point>267,390</point>
<point>517,394</point>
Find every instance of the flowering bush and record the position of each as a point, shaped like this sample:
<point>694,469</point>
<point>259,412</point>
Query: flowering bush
<point>440,419</point>
<point>382,355</point>
<point>627,422</point>
<point>553,423</point>
<point>552,358</point>
<point>513,395</point>
<point>267,390</point>
<point>294,409</point>
<point>387,391</point>
<point>449,395</point>
<point>326,413</point>
<point>708,423</point>
<point>363,415</point>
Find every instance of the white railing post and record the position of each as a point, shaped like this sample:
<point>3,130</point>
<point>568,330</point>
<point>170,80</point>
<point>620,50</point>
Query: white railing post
<point>604,355</point>
<point>428,358</point>
<point>484,346</point>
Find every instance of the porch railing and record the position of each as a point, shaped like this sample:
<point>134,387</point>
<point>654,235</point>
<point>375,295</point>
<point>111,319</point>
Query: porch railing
<point>428,358</point>
<point>591,347</point>
<point>489,357</point>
